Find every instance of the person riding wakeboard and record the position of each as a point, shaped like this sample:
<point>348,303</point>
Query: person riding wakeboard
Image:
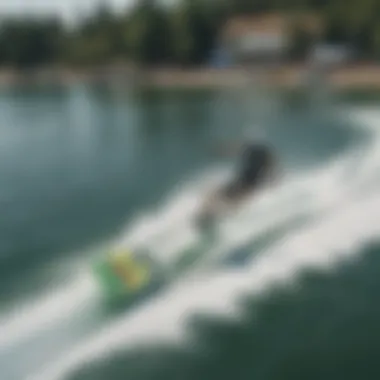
<point>257,167</point>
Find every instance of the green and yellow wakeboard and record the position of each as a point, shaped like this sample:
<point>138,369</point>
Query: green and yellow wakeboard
<point>119,273</point>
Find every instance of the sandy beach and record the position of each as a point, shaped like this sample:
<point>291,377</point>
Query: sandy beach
<point>365,75</point>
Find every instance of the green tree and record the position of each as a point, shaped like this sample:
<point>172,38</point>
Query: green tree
<point>148,35</point>
<point>28,42</point>
<point>195,30</point>
<point>97,40</point>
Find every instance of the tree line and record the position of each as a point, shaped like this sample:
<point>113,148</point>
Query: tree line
<point>183,34</point>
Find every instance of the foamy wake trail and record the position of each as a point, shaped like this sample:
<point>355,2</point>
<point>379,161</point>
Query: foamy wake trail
<point>351,220</point>
<point>369,157</point>
<point>175,212</point>
<point>60,304</point>
<point>170,230</point>
<point>319,246</point>
<point>307,196</point>
<point>43,313</point>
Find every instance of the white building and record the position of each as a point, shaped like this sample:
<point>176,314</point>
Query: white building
<point>262,39</point>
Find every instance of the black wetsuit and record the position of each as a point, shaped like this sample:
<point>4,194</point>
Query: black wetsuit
<point>257,161</point>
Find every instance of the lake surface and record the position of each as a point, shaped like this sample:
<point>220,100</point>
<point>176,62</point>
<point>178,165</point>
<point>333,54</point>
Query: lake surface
<point>79,165</point>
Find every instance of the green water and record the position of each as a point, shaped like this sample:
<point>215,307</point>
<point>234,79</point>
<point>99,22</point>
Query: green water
<point>78,164</point>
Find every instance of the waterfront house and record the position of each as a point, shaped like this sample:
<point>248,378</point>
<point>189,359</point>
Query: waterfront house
<point>263,39</point>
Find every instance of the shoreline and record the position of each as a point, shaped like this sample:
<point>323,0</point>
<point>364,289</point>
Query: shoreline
<point>356,76</point>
